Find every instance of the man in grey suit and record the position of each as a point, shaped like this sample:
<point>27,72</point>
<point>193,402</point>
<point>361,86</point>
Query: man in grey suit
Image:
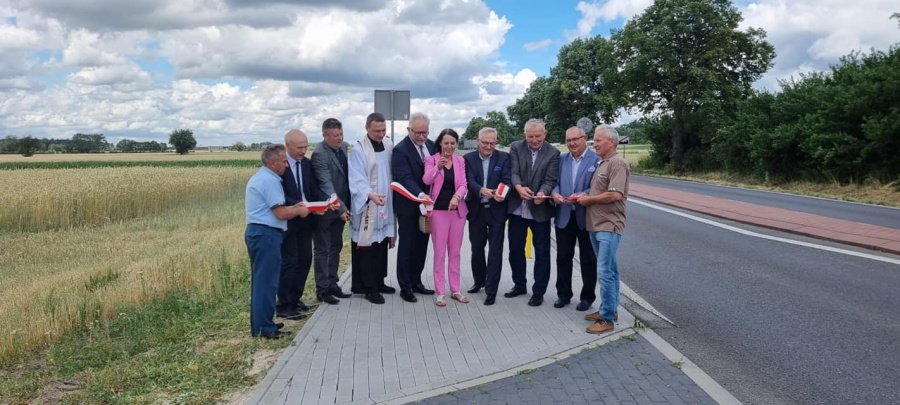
<point>534,166</point>
<point>576,169</point>
<point>329,163</point>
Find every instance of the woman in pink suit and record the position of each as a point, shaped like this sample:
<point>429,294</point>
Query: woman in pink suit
<point>445,172</point>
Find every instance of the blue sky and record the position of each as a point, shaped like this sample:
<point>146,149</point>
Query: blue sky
<point>235,70</point>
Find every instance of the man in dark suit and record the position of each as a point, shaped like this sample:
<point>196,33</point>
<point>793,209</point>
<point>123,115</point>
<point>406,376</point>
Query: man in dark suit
<point>329,163</point>
<point>486,168</point>
<point>296,245</point>
<point>534,167</point>
<point>408,168</point>
<point>576,169</point>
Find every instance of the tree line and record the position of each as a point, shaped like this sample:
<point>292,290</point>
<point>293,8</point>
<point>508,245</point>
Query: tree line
<point>688,70</point>
<point>182,141</point>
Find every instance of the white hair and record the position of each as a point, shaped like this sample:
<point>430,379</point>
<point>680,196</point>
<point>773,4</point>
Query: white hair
<point>609,131</point>
<point>535,123</point>
<point>419,116</point>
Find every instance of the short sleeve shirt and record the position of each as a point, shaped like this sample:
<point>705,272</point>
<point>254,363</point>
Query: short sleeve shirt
<point>614,174</point>
<point>263,194</point>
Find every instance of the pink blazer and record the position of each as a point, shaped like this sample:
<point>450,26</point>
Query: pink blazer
<point>434,177</point>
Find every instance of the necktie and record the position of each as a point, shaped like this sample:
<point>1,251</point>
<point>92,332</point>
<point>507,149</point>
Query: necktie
<point>299,182</point>
<point>422,152</point>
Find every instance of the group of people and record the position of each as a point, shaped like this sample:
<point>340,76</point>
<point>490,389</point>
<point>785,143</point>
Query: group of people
<point>581,192</point>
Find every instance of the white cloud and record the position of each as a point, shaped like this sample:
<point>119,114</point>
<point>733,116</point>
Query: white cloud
<point>607,11</point>
<point>238,70</point>
<point>537,45</point>
<point>13,38</point>
<point>811,35</point>
<point>129,74</point>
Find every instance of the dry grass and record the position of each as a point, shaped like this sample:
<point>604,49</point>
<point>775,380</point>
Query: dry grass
<point>37,200</point>
<point>71,275</point>
<point>879,194</point>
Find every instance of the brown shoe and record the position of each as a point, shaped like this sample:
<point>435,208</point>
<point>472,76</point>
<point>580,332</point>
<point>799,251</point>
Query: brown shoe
<point>595,316</point>
<point>599,327</point>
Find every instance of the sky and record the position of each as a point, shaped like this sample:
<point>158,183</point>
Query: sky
<point>250,70</point>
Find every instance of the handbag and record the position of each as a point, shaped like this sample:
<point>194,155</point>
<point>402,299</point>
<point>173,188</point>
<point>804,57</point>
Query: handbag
<point>425,224</point>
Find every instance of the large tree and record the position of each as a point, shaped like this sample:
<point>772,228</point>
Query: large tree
<point>581,83</point>
<point>89,143</point>
<point>683,56</point>
<point>183,141</point>
<point>29,145</point>
<point>531,105</point>
<point>506,133</point>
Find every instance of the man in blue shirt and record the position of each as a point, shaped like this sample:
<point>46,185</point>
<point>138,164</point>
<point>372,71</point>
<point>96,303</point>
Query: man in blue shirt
<point>267,217</point>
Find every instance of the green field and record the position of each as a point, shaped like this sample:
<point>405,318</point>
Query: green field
<point>127,281</point>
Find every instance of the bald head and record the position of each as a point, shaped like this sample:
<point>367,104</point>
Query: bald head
<point>296,143</point>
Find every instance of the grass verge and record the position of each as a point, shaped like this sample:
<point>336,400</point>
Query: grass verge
<point>186,346</point>
<point>869,193</point>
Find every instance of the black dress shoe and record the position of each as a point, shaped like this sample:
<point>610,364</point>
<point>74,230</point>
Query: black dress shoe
<point>375,298</point>
<point>490,299</point>
<point>278,334</point>
<point>475,289</point>
<point>583,305</point>
<point>515,292</point>
<point>535,301</point>
<point>408,296</point>
<point>337,292</point>
<point>292,314</point>
<point>302,306</point>
<point>328,299</point>
<point>279,325</point>
<point>386,289</point>
<point>422,290</point>
<point>561,303</point>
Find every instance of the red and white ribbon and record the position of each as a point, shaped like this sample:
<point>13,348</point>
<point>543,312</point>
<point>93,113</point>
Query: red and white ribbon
<point>425,204</point>
<point>320,206</point>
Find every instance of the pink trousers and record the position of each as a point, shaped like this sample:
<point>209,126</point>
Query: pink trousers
<point>447,235</point>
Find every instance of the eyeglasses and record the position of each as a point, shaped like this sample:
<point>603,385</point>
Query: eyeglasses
<point>417,133</point>
<point>573,139</point>
<point>488,143</point>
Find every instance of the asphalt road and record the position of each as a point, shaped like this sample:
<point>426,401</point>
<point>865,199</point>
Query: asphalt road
<point>868,214</point>
<point>773,323</point>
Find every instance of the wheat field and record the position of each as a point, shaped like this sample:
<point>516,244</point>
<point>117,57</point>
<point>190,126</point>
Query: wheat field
<point>77,243</point>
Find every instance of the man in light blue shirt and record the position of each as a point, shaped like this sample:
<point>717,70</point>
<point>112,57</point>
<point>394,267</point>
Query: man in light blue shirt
<point>267,217</point>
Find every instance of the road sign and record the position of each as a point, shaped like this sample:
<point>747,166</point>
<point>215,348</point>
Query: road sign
<point>586,125</point>
<point>393,104</point>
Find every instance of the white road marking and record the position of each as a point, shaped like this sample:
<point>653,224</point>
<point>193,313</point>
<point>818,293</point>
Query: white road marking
<point>762,236</point>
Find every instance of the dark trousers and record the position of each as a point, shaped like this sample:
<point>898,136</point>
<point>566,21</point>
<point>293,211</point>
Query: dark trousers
<point>368,266</point>
<point>412,249</point>
<point>328,236</point>
<point>296,258</point>
<point>487,231</point>
<point>540,240</point>
<point>565,251</point>
<point>264,247</point>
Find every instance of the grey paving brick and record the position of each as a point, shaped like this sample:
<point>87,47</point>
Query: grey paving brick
<point>360,352</point>
<point>578,379</point>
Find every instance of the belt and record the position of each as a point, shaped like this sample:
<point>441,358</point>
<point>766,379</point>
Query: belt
<point>266,226</point>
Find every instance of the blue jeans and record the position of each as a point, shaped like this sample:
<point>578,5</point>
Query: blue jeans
<point>264,246</point>
<point>540,240</point>
<point>606,244</point>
